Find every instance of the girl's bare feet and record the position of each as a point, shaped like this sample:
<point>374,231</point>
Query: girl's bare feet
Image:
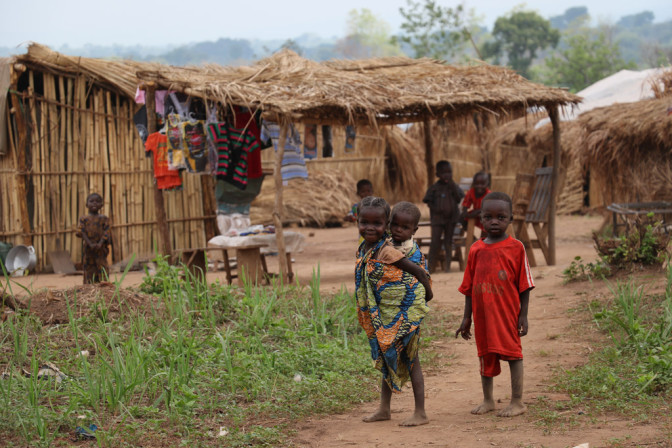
<point>418,418</point>
<point>377,416</point>
<point>486,406</point>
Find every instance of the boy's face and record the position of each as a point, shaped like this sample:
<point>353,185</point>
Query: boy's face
<point>480,184</point>
<point>372,222</point>
<point>94,204</point>
<point>496,217</point>
<point>365,191</point>
<point>402,227</point>
<point>445,174</point>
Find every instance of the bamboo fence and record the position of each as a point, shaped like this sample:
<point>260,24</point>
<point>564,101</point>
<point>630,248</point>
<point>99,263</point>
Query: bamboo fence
<point>82,139</point>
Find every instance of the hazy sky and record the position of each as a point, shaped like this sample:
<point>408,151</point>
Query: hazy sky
<point>130,22</point>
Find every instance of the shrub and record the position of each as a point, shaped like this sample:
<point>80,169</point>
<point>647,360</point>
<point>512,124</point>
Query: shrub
<point>645,243</point>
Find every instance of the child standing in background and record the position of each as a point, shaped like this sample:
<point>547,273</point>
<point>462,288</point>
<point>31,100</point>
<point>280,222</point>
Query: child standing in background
<point>364,190</point>
<point>94,229</point>
<point>443,199</point>
<point>496,285</point>
<point>472,201</point>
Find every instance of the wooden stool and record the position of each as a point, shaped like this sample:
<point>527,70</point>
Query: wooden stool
<point>251,264</point>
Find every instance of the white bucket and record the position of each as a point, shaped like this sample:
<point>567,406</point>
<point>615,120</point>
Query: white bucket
<point>19,259</point>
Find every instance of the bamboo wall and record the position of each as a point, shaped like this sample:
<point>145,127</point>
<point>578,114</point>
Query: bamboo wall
<point>82,139</point>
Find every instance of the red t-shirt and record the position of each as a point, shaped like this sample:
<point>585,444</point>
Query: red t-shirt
<point>471,199</point>
<point>496,274</point>
<point>166,178</point>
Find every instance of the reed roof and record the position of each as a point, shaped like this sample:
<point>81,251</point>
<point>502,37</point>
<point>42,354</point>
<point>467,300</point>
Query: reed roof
<point>373,91</point>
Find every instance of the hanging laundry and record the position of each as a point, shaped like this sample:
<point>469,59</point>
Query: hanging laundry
<point>350,135</point>
<point>175,140</point>
<point>244,119</point>
<point>327,148</point>
<point>159,99</point>
<point>310,142</point>
<point>293,165</point>
<point>233,147</point>
<point>165,177</point>
<point>195,148</point>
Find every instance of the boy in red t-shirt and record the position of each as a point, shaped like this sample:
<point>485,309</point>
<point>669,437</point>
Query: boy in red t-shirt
<point>472,201</point>
<point>496,285</point>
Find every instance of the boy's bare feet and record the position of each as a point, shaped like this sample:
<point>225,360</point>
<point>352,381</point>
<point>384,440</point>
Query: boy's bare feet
<point>417,419</point>
<point>515,408</point>
<point>377,416</point>
<point>485,407</point>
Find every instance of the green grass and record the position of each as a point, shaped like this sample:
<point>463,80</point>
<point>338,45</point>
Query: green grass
<point>631,374</point>
<point>251,360</point>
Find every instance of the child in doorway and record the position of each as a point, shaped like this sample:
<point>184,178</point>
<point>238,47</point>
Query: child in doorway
<point>94,229</point>
<point>472,201</point>
<point>496,285</point>
<point>364,190</point>
<point>391,291</point>
<point>443,199</point>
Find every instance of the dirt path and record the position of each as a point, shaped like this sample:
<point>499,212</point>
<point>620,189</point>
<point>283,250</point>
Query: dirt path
<point>453,386</point>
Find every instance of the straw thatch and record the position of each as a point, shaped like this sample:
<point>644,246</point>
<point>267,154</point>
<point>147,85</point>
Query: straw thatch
<point>630,147</point>
<point>324,198</point>
<point>406,174</point>
<point>661,85</point>
<point>383,90</point>
<point>378,91</point>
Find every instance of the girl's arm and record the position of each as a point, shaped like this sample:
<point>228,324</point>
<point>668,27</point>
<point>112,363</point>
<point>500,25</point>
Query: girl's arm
<point>416,271</point>
<point>465,326</point>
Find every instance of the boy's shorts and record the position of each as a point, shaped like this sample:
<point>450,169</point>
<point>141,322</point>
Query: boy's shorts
<point>490,363</point>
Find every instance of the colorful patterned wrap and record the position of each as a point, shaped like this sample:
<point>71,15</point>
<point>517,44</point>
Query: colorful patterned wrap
<point>390,306</point>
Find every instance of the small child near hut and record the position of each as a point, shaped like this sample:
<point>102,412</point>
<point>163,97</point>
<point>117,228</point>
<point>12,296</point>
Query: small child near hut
<point>496,285</point>
<point>443,199</point>
<point>471,203</point>
<point>94,229</point>
<point>364,190</point>
<point>391,290</point>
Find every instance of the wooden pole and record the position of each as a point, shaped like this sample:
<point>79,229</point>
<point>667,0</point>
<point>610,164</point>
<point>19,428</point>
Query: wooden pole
<point>161,220</point>
<point>209,206</point>
<point>553,114</point>
<point>21,169</point>
<point>277,209</point>
<point>429,153</point>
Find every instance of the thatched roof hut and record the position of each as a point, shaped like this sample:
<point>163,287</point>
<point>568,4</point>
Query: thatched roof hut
<point>629,148</point>
<point>287,88</point>
<point>623,151</point>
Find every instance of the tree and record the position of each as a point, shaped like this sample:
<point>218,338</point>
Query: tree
<point>435,31</point>
<point>644,18</point>
<point>564,21</point>
<point>520,35</point>
<point>589,57</point>
<point>367,36</point>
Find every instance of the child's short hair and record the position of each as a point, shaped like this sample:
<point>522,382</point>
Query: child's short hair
<point>92,195</point>
<point>481,173</point>
<point>443,164</point>
<point>374,202</point>
<point>498,196</point>
<point>407,208</point>
<point>361,183</point>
